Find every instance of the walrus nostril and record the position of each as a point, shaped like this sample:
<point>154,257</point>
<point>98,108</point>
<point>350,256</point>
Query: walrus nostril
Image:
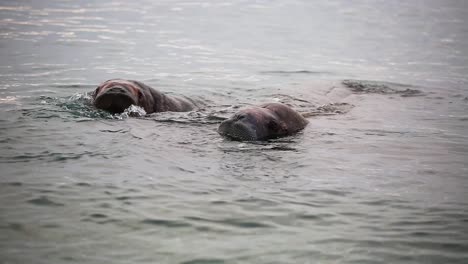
<point>117,89</point>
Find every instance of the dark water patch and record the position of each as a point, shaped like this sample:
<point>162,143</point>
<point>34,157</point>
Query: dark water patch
<point>16,226</point>
<point>105,205</point>
<point>83,184</point>
<point>165,223</point>
<point>231,222</point>
<point>45,191</point>
<point>100,221</point>
<point>437,97</point>
<point>305,72</point>
<point>48,156</point>
<point>422,222</point>
<point>15,184</point>
<point>314,192</point>
<point>354,214</point>
<point>374,87</point>
<point>70,258</point>
<point>181,169</point>
<point>435,246</point>
<point>98,215</point>
<point>420,234</point>
<point>219,202</point>
<point>123,131</point>
<point>211,229</point>
<point>204,261</point>
<point>257,201</point>
<point>379,202</point>
<point>315,217</point>
<point>44,201</point>
<point>9,140</point>
<point>381,132</point>
<point>127,199</point>
<point>311,204</point>
<point>283,148</point>
<point>75,87</point>
<point>243,223</point>
<point>287,144</point>
<point>51,225</point>
<point>123,198</point>
<point>340,193</point>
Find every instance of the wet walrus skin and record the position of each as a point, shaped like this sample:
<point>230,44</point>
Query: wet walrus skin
<point>117,95</point>
<point>263,122</point>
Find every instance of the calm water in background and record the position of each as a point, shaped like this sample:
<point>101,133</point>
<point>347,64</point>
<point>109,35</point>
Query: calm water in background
<point>385,182</point>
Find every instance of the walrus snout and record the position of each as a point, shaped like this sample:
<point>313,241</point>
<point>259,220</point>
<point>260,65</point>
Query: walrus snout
<point>115,100</point>
<point>117,90</point>
<point>237,129</point>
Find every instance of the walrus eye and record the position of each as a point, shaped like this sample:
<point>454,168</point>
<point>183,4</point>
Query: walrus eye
<point>240,117</point>
<point>274,126</point>
<point>140,94</point>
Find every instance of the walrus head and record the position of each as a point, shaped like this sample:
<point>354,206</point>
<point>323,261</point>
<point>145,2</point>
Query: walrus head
<point>253,124</point>
<point>116,96</point>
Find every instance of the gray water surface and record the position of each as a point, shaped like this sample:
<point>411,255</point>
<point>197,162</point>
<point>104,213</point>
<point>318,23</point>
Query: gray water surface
<point>378,176</point>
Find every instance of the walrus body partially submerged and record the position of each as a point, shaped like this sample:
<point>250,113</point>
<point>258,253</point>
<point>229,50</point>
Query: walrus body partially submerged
<point>117,95</point>
<point>263,122</point>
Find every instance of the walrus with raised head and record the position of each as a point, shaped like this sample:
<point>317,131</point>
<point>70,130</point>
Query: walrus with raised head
<point>263,122</point>
<point>117,95</point>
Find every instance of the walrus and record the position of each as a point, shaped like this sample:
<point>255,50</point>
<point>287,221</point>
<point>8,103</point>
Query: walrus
<point>267,121</point>
<point>116,95</point>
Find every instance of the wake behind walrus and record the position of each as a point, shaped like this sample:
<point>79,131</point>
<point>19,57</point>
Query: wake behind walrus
<point>116,95</point>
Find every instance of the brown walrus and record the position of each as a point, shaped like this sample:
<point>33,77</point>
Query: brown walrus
<point>117,95</point>
<point>263,122</point>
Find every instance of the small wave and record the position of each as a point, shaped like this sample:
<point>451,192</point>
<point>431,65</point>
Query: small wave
<point>289,99</point>
<point>279,144</point>
<point>49,157</point>
<point>77,106</point>
<point>375,87</point>
<point>131,111</point>
<point>200,117</point>
<point>13,100</point>
<point>330,109</point>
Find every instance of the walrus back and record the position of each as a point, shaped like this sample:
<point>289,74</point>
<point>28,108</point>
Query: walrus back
<point>293,119</point>
<point>163,103</point>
